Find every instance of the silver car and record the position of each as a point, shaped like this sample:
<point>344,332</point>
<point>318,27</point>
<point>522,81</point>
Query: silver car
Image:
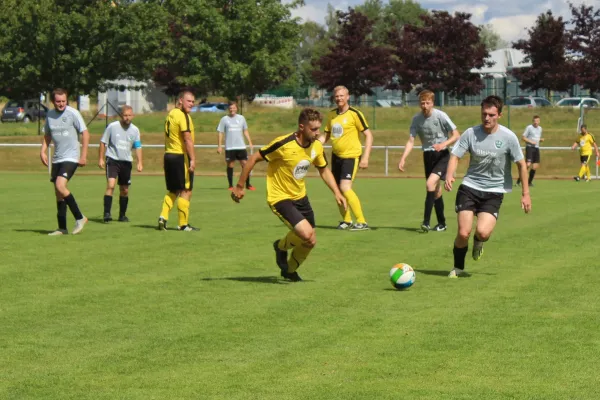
<point>528,101</point>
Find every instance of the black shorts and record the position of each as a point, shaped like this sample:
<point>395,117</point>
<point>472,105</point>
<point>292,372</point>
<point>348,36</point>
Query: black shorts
<point>118,169</point>
<point>65,169</point>
<point>436,162</point>
<point>585,159</point>
<point>532,155</point>
<point>177,174</point>
<point>233,155</point>
<point>469,199</point>
<point>344,168</point>
<point>290,212</point>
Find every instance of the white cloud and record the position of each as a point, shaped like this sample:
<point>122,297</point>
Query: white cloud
<point>514,27</point>
<point>477,12</point>
<point>310,13</point>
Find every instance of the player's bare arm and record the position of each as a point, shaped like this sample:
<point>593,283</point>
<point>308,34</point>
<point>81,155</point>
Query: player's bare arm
<point>238,190</point>
<point>101,152</point>
<point>454,136</point>
<point>189,149</point>
<point>329,180</point>
<point>247,135</point>
<point>324,138</point>
<point>138,155</point>
<point>452,165</point>
<point>220,142</point>
<point>85,141</point>
<point>407,149</point>
<point>44,150</point>
<point>525,198</point>
<point>364,160</point>
<point>596,148</point>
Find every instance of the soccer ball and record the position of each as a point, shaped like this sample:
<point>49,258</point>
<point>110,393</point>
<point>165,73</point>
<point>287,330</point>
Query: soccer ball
<point>402,276</point>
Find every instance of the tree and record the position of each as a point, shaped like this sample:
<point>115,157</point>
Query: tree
<point>354,60</point>
<point>584,43</point>
<point>240,47</point>
<point>439,55</point>
<point>75,45</point>
<point>396,13</point>
<point>490,38</point>
<point>546,50</point>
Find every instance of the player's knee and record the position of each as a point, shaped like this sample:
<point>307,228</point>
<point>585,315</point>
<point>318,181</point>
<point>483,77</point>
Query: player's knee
<point>464,233</point>
<point>483,235</point>
<point>311,240</point>
<point>124,190</point>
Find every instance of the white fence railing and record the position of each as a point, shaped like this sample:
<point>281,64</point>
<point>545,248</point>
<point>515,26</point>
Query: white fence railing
<point>214,146</point>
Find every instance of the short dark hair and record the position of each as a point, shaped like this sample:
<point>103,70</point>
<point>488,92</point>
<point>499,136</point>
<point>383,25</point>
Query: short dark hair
<point>58,91</point>
<point>309,114</point>
<point>493,101</point>
<point>536,117</point>
<point>584,126</point>
<point>231,103</point>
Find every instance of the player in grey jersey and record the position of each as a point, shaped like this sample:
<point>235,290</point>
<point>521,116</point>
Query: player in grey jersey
<point>533,137</point>
<point>437,132</point>
<point>116,144</point>
<point>63,126</point>
<point>234,127</point>
<point>492,148</point>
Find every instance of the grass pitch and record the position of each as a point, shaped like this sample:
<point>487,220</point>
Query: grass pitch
<point>123,311</point>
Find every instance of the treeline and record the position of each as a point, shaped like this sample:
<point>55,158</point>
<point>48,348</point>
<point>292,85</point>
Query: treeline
<point>245,47</point>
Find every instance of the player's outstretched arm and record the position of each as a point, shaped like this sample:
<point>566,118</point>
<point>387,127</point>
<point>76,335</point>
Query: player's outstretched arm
<point>407,149</point>
<point>329,180</point>
<point>140,163</point>
<point>247,135</point>
<point>523,175</point>
<point>238,190</point>
<point>452,165</point>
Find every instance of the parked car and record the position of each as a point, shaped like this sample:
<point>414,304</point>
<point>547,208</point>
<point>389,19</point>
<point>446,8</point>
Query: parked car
<point>211,107</point>
<point>23,111</point>
<point>577,102</point>
<point>528,101</point>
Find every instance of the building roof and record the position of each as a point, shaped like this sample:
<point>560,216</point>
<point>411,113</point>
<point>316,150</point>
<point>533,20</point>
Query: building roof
<point>504,60</point>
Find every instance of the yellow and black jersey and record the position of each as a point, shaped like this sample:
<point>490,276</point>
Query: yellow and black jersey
<point>345,129</point>
<point>288,165</point>
<point>176,124</point>
<point>586,144</point>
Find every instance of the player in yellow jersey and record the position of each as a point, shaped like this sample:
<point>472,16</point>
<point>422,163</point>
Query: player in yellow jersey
<point>344,125</point>
<point>289,158</point>
<point>586,142</point>
<point>179,162</point>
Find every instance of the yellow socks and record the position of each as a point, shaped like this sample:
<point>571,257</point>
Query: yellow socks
<point>168,202</point>
<point>582,171</point>
<point>297,257</point>
<point>354,205</point>
<point>183,210</point>
<point>290,241</point>
<point>588,172</point>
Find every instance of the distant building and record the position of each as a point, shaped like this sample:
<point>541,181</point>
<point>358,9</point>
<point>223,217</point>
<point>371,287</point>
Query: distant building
<point>143,97</point>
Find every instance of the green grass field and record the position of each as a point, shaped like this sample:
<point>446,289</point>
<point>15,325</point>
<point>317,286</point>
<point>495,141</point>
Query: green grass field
<point>123,311</point>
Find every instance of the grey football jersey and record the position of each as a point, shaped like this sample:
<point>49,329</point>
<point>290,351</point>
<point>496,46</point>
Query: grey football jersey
<point>534,134</point>
<point>233,128</point>
<point>431,130</point>
<point>491,158</point>
<point>119,141</point>
<point>64,128</point>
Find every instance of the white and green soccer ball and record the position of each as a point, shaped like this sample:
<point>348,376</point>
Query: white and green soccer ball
<point>402,276</point>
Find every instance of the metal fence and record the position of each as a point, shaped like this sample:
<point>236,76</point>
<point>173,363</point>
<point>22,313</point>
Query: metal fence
<point>386,150</point>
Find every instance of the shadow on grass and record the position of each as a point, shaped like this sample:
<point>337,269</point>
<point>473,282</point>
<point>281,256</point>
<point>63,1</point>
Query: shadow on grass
<point>40,231</point>
<point>253,279</point>
<point>403,228</point>
<point>153,227</point>
<point>96,220</point>
<point>334,228</point>
<point>436,272</point>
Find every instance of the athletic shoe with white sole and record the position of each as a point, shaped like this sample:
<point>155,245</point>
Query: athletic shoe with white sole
<point>79,224</point>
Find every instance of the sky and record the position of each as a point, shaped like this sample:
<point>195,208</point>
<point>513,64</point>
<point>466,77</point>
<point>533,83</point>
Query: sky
<point>509,18</point>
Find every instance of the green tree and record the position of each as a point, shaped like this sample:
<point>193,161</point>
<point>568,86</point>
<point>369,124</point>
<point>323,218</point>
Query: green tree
<point>73,44</point>
<point>490,38</point>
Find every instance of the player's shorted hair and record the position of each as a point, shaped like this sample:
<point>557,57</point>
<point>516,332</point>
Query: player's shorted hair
<point>309,114</point>
<point>426,95</point>
<point>493,101</point>
<point>58,91</point>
